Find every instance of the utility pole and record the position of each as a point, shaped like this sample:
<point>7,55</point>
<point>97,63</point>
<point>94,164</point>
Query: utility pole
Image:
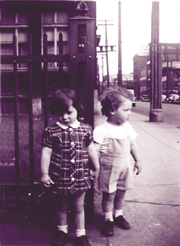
<point>102,69</point>
<point>107,62</point>
<point>119,46</point>
<point>155,114</point>
<point>102,50</point>
<point>106,46</point>
<point>168,80</point>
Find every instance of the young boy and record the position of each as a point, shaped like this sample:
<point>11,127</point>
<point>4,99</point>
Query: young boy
<point>115,143</point>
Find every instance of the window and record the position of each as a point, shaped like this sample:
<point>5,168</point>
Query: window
<point>11,24</point>
<point>54,23</point>
<point>163,57</point>
<point>172,57</point>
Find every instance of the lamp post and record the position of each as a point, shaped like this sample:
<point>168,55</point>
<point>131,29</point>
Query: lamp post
<point>155,114</point>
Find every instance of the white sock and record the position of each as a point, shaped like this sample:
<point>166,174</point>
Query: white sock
<point>80,232</point>
<point>63,228</point>
<point>118,212</point>
<point>108,216</point>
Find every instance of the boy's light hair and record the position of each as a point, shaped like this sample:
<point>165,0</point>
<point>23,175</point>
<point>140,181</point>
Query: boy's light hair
<point>112,98</point>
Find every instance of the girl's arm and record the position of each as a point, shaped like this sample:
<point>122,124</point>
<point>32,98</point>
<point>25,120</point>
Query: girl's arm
<point>136,157</point>
<point>93,155</point>
<point>45,163</point>
<point>97,148</point>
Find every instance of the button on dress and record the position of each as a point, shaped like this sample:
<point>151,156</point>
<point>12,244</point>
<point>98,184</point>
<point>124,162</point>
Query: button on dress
<point>69,165</point>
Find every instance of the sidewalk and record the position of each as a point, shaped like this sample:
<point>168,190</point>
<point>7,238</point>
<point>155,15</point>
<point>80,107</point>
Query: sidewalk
<point>152,207</point>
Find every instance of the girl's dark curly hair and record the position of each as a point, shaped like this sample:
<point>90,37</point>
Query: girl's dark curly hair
<point>112,98</point>
<point>62,100</point>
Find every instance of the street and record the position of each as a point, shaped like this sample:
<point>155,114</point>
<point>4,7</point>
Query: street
<point>171,112</point>
<point>152,207</point>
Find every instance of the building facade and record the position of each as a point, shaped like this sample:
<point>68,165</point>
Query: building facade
<point>170,65</point>
<point>139,77</point>
<point>21,18</point>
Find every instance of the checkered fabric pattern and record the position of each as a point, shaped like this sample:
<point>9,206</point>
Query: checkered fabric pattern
<point>69,166</point>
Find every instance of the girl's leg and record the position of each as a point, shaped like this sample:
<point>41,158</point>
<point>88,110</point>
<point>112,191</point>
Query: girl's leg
<point>61,236</point>
<point>62,213</point>
<point>78,202</point>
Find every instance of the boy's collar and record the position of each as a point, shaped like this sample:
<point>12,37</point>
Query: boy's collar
<point>76,124</point>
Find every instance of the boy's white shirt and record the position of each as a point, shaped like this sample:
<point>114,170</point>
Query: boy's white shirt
<point>106,130</point>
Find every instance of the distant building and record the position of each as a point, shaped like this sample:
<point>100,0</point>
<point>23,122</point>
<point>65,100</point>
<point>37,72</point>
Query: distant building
<point>127,80</point>
<point>170,64</point>
<point>170,57</point>
<point>139,64</point>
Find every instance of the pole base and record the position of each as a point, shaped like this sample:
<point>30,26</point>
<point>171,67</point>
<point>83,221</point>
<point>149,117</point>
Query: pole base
<point>155,115</point>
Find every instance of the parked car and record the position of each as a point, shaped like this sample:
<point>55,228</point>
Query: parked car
<point>134,99</point>
<point>174,98</point>
<point>163,98</point>
<point>145,98</point>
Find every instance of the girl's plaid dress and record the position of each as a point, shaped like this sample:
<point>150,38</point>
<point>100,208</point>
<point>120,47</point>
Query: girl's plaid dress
<point>70,171</point>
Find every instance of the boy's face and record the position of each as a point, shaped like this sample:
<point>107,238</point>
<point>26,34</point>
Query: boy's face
<point>69,117</point>
<point>123,112</point>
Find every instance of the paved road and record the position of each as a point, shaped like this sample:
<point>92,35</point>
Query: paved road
<point>152,207</point>
<point>171,112</point>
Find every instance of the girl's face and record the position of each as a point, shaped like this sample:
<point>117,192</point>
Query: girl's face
<point>122,114</point>
<point>69,117</point>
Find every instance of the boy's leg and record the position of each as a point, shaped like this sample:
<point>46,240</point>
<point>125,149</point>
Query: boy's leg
<point>118,210</point>
<point>119,199</point>
<point>107,206</point>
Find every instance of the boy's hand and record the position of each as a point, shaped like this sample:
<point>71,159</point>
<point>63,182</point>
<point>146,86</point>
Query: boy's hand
<point>46,180</point>
<point>137,167</point>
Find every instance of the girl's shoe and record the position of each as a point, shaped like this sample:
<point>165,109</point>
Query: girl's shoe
<point>108,228</point>
<point>121,222</point>
<point>82,241</point>
<point>60,239</point>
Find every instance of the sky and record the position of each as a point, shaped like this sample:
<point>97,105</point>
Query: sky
<point>135,28</point>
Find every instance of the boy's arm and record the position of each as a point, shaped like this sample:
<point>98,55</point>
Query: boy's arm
<point>136,157</point>
<point>45,163</point>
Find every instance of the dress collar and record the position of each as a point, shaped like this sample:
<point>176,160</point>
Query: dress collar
<point>76,124</point>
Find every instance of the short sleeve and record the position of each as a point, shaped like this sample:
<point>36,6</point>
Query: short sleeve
<point>131,132</point>
<point>98,135</point>
<point>46,140</point>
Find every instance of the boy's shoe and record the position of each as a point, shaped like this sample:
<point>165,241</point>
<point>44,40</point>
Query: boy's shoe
<point>82,241</point>
<point>108,228</point>
<point>60,239</point>
<point>121,222</point>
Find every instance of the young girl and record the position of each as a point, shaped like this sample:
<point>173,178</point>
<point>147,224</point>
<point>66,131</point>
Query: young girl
<point>115,143</point>
<point>66,148</point>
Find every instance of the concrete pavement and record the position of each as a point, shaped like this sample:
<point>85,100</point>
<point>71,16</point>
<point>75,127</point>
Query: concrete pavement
<point>152,207</point>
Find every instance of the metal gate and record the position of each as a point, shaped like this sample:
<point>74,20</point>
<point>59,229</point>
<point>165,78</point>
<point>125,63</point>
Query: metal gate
<point>80,62</point>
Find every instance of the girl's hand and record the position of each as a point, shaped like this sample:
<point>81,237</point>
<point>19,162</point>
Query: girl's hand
<point>137,167</point>
<point>46,180</point>
<point>94,174</point>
